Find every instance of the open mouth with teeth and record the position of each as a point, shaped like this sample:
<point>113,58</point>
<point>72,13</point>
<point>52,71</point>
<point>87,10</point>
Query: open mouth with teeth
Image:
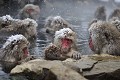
<point>25,51</point>
<point>66,43</point>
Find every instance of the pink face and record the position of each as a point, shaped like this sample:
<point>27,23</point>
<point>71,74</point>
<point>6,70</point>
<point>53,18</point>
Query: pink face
<point>25,51</point>
<point>91,43</point>
<point>66,44</point>
<point>29,10</point>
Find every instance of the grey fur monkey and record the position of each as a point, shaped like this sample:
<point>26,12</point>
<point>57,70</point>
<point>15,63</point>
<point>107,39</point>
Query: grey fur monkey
<point>100,13</point>
<point>63,47</point>
<point>104,38</point>
<point>29,11</point>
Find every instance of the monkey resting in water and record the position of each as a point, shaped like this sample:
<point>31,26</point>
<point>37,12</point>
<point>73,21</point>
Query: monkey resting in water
<point>14,52</point>
<point>64,46</point>
<point>29,11</point>
<point>115,14</point>
<point>26,27</point>
<point>100,13</point>
<point>53,24</point>
<point>104,38</point>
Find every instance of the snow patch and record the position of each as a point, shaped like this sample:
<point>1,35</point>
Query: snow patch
<point>14,38</point>
<point>62,32</point>
<point>7,17</point>
<point>28,20</point>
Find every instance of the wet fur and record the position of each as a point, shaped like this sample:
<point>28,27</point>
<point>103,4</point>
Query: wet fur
<point>33,15</point>
<point>105,37</point>
<point>55,52</point>
<point>8,56</point>
<point>26,27</point>
<point>115,13</point>
<point>100,13</point>
<point>52,25</point>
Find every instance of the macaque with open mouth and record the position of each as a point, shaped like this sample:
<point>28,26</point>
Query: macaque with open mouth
<point>64,46</point>
<point>104,38</point>
<point>26,27</point>
<point>29,11</point>
<point>100,13</point>
<point>53,24</point>
<point>14,52</point>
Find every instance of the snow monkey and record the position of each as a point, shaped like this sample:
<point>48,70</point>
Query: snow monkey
<point>29,11</point>
<point>63,47</point>
<point>53,24</point>
<point>13,52</point>
<point>100,13</point>
<point>115,13</point>
<point>26,27</point>
<point>104,38</point>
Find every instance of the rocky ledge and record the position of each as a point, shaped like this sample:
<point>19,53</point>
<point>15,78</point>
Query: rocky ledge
<point>87,68</point>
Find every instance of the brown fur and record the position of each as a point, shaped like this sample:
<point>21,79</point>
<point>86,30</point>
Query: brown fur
<point>100,13</point>
<point>29,11</point>
<point>105,38</point>
<point>26,27</point>
<point>12,54</point>
<point>115,13</point>
<point>55,50</point>
<point>53,24</point>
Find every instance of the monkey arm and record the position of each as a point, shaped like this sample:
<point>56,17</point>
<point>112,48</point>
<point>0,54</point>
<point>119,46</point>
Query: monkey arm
<point>53,53</point>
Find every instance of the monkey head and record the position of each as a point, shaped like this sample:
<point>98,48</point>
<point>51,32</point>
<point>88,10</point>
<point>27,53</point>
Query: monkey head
<point>54,24</point>
<point>26,27</point>
<point>115,13</point>
<point>30,11</point>
<point>13,51</point>
<point>100,13</point>
<point>65,39</point>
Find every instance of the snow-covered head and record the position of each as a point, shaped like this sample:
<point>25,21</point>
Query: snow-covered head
<point>26,27</point>
<point>65,39</point>
<point>15,47</point>
<point>55,23</point>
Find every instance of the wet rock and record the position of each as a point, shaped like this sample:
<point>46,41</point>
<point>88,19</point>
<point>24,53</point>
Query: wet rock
<point>81,65</point>
<point>104,71</point>
<point>46,70</point>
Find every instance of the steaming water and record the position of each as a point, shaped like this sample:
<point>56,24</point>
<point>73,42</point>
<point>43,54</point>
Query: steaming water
<point>75,12</point>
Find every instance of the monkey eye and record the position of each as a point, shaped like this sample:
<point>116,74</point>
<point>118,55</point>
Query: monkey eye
<point>70,34</point>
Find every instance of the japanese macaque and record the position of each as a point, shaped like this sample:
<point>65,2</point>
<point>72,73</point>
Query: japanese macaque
<point>104,38</point>
<point>26,27</point>
<point>115,13</point>
<point>29,11</point>
<point>64,46</point>
<point>14,52</point>
<point>53,24</point>
<point>100,13</point>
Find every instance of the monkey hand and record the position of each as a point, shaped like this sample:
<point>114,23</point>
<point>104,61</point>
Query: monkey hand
<point>75,55</point>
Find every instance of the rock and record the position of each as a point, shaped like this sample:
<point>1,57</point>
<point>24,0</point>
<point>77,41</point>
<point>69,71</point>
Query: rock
<point>46,70</point>
<point>83,64</point>
<point>104,70</point>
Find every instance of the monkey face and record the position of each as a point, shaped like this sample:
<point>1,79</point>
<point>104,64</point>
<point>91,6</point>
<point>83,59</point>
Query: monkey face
<point>65,39</point>
<point>54,24</point>
<point>32,11</point>
<point>15,48</point>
